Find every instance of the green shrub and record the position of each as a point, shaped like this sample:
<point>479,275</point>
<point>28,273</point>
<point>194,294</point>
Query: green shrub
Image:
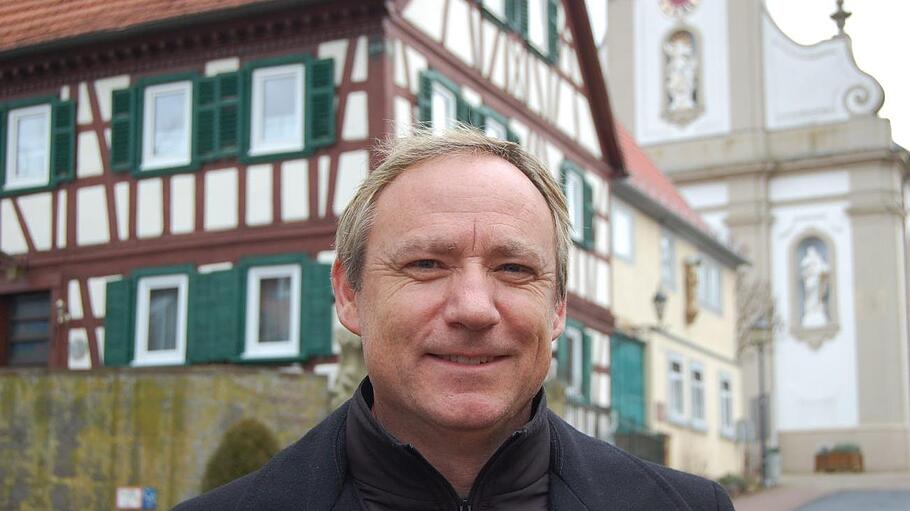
<point>845,447</point>
<point>246,446</point>
<point>734,484</point>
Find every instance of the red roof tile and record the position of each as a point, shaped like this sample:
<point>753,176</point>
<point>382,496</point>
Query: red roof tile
<point>647,178</point>
<point>30,22</point>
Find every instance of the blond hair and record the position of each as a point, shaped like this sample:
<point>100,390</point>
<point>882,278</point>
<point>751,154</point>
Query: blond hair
<point>403,153</point>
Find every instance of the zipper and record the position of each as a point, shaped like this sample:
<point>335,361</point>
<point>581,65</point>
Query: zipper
<point>464,506</point>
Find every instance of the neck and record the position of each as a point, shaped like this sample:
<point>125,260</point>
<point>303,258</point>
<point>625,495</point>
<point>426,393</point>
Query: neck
<point>457,455</point>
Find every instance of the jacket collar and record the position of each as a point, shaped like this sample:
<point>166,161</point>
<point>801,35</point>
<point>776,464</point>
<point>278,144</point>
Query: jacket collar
<point>377,460</point>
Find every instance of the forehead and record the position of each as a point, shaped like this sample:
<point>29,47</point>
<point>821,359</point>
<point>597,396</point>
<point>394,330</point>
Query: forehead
<point>463,188</point>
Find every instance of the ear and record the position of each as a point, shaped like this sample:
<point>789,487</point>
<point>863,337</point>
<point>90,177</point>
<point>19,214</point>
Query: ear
<point>559,319</point>
<point>345,303</point>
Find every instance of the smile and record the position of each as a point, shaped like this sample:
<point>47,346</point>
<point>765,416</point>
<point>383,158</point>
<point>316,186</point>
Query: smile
<point>459,359</point>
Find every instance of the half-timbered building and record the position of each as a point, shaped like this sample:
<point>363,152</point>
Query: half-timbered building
<point>171,172</point>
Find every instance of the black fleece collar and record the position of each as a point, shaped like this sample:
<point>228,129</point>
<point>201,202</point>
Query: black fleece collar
<point>392,475</point>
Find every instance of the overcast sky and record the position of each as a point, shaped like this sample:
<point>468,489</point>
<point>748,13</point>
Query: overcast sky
<point>881,41</point>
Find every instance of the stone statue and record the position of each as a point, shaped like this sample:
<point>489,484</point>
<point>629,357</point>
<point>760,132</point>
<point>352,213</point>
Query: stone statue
<point>681,72</point>
<point>814,272</point>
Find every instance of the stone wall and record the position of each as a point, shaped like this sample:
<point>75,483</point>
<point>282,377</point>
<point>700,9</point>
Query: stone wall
<point>69,439</point>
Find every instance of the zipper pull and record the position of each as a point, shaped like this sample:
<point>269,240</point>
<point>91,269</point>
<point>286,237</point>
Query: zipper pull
<point>464,506</point>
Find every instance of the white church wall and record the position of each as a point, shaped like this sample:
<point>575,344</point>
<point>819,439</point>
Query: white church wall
<point>708,22</point>
<point>809,186</point>
<point>816,388</point>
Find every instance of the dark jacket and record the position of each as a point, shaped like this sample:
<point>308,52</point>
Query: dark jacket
<point>585,474</point>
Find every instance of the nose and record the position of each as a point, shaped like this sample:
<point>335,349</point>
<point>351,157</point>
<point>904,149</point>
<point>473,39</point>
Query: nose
<point>471,302</point>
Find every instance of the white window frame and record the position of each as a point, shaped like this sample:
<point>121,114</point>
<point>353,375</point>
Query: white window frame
<point>259,146</point>
<point>494,128</point>
<point>676,414</point>
<point>710,295</point>
<point>575,201</point>
<point>12,152</point>
<point>697,393</point>
<point>149,160</point>
<point>142,356</point>
<point>450,115</point>
<point>620,211</point>
<point>575,337</point>
<point>667,260</point>
<point>253,349</point>
<point>725,402</point>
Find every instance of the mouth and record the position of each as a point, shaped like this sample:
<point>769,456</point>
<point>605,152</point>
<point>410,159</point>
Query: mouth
<point>465,360</point>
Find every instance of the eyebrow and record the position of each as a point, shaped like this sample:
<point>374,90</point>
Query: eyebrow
<point>515,249</point>
<point>506,249</point>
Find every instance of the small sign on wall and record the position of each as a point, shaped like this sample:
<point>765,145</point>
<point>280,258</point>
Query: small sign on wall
<point>135,497</point>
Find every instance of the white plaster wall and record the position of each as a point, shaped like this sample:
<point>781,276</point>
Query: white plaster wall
<point>426,15</point>
<point>183,203</point>
<point>400,64</point>
<point>352,170</point>
<point>220,199</point>
<point>458,31</point>
<point>79,354</point>
<point>709,22</point>
<point>815,388</point>
<point>295,194</point>
<point>403,116</point>
<point>706,195</point>
<point>91,216</point>
<point>97,292</point>
<point>149,211</point>
<point>417,63</point>
<point>36,211</point>
<point>99,341</point>
<point>122,202</point>
<point>355,117</point>
<point>259,194</point>
<point>88,157</point>
<point>717,222</point>
<point>360,69</point>
<point>565,118</point>
<point>838,88</point>
<point>74,299</point>
<point>83,107</point>
<point>808,186</point>
<point>61,219</point>
<point>336,50</point>
<point>323,166</point>
<point>218,66</point>
<point>213,267</point>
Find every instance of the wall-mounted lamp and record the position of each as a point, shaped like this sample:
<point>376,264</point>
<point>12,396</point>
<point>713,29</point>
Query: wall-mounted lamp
<point>660,304</point>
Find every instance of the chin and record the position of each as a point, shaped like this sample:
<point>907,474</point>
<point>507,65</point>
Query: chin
<point>470,412</point>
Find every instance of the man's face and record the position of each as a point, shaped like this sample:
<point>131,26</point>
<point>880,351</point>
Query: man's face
<point>458,307</point>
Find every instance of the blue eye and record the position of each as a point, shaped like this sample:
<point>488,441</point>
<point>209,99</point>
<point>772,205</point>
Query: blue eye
<point>425,264</point>
<point>514,268</point>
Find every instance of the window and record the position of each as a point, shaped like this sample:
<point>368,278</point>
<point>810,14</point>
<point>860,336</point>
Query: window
<point>37,140</point>
<point>574,340</point>
<point>534,20</point>
<point>496,129</point>
<point>709,291</point>
<point>574,361</point>
<point>667,261</point>
<point>675,389</point>
<point>166,125</point>
<point>697,386</point>
<point>580,203</point>
<point>272,317</point>
<point>28,331</point>
<point>623,230</point>
<point>727,427</point>
<point>277,110</point>
<point>161,316</point>
<point>444,109</point>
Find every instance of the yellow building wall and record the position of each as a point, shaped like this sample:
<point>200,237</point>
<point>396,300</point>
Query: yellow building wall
<point>710,340</point>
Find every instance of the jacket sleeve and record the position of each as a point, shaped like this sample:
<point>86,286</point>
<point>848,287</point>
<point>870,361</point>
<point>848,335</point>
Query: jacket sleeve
<point>722,499</point>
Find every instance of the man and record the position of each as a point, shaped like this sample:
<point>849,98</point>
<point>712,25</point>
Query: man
<point>451,266</point>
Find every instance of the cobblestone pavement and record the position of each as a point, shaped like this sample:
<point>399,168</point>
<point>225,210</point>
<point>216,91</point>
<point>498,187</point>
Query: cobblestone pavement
<point>832,492</point>
<point>864,500</point>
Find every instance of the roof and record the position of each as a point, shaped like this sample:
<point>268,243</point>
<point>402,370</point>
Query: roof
<point>646,177</point>
<point>33,22</point>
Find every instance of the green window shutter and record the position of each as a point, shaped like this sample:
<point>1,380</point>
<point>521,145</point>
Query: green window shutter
<point>589,215</point>
<point>204,121</point>
<point>511,136</point>
<point>562,356</point>
<point>316,313</point>
<point>215,313</point>
<point>521,19</point>
<point>118,323</point>
<point>552,31</point>
<point>587,366</point>
<point>123,129</point>
<point>467,114</point>
<point>320,102</point>
<point>228,88</point>
<point>627,387</point>
<point>425,100</point>
<point>63,141</point>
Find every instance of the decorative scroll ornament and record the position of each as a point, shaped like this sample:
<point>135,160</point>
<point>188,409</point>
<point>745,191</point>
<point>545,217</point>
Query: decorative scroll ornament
<point>683,102</point>
<point>678,8</point>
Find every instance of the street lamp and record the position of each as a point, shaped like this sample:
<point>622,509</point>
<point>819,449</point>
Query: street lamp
<point>660,304</point>
<point>759,336</point>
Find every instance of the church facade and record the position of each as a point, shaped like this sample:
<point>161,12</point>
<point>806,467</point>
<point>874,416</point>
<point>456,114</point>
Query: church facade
<point>780,148</point>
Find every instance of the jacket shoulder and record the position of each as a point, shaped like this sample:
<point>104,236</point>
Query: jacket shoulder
<point>600,475</point>
<point>308,474</point>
